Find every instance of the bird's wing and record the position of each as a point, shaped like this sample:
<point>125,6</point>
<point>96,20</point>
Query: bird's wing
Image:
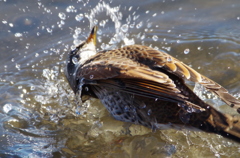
<point>180,69</point>
<point>126,75</point>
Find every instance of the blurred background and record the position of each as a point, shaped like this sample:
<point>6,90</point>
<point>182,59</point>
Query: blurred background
<point>38,112</point>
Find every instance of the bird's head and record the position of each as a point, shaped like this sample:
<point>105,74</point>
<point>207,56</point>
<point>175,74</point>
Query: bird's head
<point>78,56</point>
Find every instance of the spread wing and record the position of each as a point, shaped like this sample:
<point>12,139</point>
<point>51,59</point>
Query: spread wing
<point>140,63</point>
<point>177,67</point>
<point>127,75</point>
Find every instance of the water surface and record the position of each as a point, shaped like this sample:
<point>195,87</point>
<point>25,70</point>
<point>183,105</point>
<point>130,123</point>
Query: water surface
<point>38,113</point>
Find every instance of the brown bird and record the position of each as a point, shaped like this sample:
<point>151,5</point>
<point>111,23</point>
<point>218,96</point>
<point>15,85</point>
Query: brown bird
<point>141,85</point>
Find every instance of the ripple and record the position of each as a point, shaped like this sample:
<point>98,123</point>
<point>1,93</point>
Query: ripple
<point>39,115</point>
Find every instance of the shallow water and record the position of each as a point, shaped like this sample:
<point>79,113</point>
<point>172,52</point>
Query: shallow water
<point>38,113</point>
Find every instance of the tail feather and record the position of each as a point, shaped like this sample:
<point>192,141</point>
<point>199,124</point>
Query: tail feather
<point>223,124</point>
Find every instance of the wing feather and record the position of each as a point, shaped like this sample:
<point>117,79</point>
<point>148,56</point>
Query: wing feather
<point>182,70</point>
<point>140,63</point>
<point>130,78</point>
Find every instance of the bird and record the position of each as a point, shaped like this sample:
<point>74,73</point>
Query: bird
<point>145,86</point>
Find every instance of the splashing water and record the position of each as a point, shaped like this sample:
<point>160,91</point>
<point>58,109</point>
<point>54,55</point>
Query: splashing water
<point>52,87</point>
<point>43,115</point>
<point>208,96</point>
<point>112,12</point>
<point>116,17</point>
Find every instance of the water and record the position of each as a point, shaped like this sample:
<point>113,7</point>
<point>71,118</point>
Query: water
<point>38,112</point>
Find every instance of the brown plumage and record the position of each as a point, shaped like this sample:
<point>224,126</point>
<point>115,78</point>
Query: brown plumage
<point>145,86</point>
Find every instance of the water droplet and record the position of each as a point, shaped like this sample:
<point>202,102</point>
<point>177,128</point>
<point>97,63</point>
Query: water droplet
<point>102,23</point>
<point>62,15</point>
<point>124,28</point>
<point>18,34</point>
<point>11,24</point>
<point>95,21</point>
<point>91,76</point>
<point>128,20</point>
<point>190,110</point>
<point>128,41</point>
<point>24,91</point>
<point>4,22</point>
<point>45,51</point>
<point>71,9</point>
<point>130,8</point>
<point>78,30</point>
<point>149,112</point>
<point>17,66</point>
<point>86,89</point>
<point>113,41</point>
<point>155,37</point>
<point>199,48</point>
<point>149,25</point>
<point>47,10</point>
<point>99,32</point>
<point>76,42</point>
<point>139,25</point>
<point>155,14</point>
<point>49,30</point>
<point>156,99</point>
<point>142,37</point>
<point>75,36</point>
<point>32,88</point>
<point>7,107</point>
<point>169,59</point>
<point>186,51</point>
<point>62,22</point>
<point>74,60</point>
<point>79,17</point>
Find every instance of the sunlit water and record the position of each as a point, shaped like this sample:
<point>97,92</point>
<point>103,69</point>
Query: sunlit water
<point>38,112</point>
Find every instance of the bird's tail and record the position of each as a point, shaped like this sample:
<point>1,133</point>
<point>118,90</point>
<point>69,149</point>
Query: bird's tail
<point>217,122</point>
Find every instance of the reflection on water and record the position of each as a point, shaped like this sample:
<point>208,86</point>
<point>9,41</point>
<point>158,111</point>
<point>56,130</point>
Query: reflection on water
<point>38,112</point>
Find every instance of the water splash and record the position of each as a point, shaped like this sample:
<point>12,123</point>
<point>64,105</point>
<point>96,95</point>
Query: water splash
<point>54,98</point>
<point>7,107</point>
<point>49,95</point>
<point>206,95</point>
<point>114,14</point>
<point>186,51</point>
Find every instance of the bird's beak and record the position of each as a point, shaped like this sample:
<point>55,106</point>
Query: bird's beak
<point>93,36</point>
